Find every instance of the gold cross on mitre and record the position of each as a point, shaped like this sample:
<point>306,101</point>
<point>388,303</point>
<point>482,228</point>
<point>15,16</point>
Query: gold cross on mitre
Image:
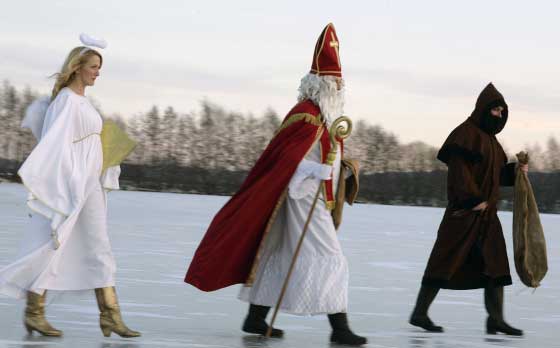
<point>334,44</point>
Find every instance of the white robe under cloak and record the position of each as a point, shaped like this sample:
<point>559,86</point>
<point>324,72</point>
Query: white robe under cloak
<point>67,199</point>
<point>319,281</point>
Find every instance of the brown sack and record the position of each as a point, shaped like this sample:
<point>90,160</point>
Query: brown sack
<point>529,245</point>
<point>347,188</point>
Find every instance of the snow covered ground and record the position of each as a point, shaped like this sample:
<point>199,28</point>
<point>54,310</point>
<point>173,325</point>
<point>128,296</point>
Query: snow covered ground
<point>154,236</point>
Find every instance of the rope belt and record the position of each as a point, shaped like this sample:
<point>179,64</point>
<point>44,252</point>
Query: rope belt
<point>87,136</point>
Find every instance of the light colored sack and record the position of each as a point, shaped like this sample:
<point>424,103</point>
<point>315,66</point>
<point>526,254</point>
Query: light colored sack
<point>528,237</point>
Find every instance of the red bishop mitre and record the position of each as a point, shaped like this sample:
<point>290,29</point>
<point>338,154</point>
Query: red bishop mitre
<point>326,60</point>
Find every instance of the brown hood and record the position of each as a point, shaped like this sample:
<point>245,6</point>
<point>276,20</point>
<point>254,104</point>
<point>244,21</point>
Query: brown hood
<point>489,98</point>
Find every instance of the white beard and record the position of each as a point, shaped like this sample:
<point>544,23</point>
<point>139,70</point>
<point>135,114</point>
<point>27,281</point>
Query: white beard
<point>323,91</point>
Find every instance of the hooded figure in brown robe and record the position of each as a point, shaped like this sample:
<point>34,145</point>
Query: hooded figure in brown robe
<point>470,250</point>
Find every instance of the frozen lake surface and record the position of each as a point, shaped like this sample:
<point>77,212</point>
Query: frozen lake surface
<point>154,236</point>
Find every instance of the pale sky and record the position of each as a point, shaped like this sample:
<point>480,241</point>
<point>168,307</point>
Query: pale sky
<point>414,67</point>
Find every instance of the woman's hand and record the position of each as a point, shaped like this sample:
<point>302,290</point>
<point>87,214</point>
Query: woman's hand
<point>524,168</point>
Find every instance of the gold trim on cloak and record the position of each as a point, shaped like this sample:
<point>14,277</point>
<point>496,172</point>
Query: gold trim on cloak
<point>330,205</point>
<point>309,118</point>
<point>253,273</point>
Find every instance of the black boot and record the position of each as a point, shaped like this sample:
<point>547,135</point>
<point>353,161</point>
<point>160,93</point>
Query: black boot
<point>494,302</point>
<point>419,316</point>
<point>341,332</point>
<point>255,322</point>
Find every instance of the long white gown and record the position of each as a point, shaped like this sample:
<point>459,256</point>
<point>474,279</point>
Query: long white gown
<point>68,206</point>
<point>319,282</point>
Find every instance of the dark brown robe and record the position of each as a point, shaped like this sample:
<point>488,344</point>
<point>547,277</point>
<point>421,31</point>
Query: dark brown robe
<point>470,251</point>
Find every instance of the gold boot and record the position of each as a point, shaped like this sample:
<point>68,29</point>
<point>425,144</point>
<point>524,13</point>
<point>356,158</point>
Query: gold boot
<point>110,318</point>
<point>35,316</point>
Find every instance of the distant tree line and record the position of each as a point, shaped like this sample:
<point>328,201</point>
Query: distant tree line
<point>210,151</point>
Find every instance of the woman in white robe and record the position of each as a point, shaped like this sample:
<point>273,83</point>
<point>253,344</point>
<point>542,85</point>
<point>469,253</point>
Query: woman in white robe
<point>66,246</point>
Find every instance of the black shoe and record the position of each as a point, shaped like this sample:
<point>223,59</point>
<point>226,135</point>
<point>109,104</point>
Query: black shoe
<point>341,333</point>
<point>419,317</point>
<point>255,323</point>
<point>261,329</point>
<point>347,337</point>
<point>425,323</point>
<point>493,327</point>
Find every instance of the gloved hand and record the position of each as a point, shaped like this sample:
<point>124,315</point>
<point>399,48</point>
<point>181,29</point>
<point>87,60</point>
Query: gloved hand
<point>322,171</point>
<point>307,178</point>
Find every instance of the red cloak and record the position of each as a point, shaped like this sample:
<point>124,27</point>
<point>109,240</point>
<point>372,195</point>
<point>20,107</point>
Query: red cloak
<point>227,252</point>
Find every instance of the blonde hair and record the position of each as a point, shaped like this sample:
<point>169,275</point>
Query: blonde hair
<point>75,60</point>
